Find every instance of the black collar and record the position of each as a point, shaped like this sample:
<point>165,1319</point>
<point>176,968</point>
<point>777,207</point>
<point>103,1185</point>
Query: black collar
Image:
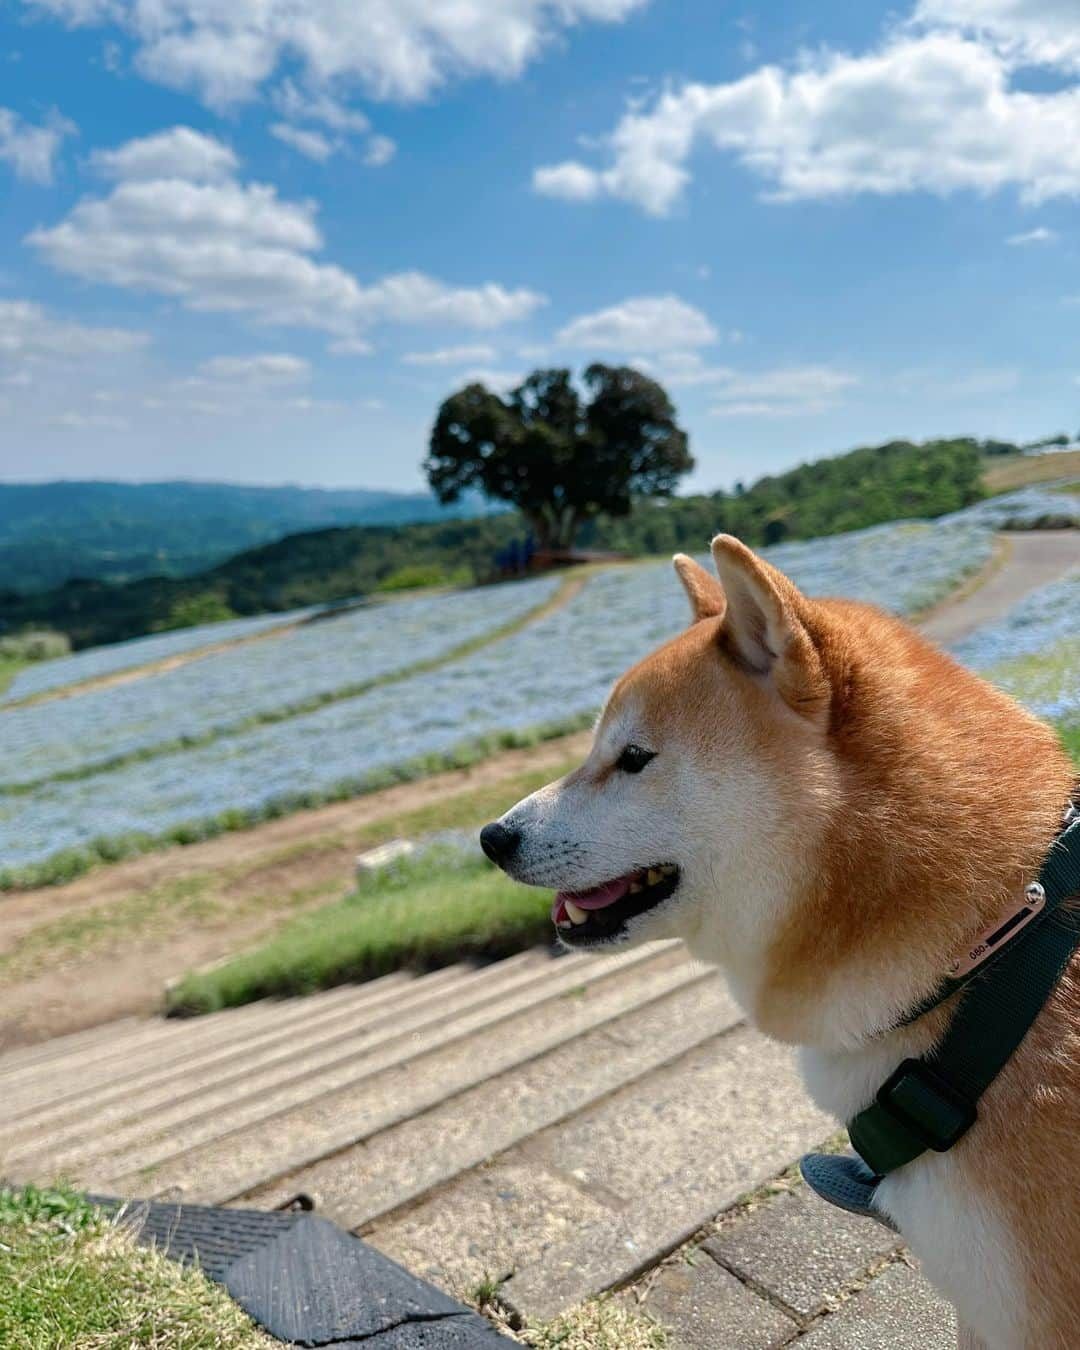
<point>931,1102</point>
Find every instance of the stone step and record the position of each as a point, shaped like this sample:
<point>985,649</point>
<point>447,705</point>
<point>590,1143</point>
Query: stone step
<point>387,1091</point>
<point>114,1040</point>
<point>587,1204</point>
<point>396,1167</point>
<point>141,1047</point>
<point>21,1059</point>
<point>182,1069</point>
<point>185,1100</point>
<point>171,1056</point>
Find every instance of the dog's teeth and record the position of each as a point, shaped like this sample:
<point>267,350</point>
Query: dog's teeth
<point>654,876</point>
<point>635,887</point>
<point>564,923</point>
<point>669,869</point>
<point>576,913</point>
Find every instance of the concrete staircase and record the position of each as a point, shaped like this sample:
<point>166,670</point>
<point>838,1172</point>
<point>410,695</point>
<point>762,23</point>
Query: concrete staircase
<point>558,1122</point>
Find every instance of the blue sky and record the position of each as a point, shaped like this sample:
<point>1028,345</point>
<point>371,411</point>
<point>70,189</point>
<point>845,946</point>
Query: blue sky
<point>260,241</point>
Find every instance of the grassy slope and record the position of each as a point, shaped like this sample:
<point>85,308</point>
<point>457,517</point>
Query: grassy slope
<point>430,912</point>
<point>1005,473</point>
<point>73,1279</point>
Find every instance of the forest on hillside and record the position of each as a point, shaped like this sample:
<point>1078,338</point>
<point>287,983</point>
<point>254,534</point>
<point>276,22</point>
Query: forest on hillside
<point>864,487</point>
<point>51,532</point>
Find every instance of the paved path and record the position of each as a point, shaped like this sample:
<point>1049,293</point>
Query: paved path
<point>1036,558</point>
<point>563,1125</point>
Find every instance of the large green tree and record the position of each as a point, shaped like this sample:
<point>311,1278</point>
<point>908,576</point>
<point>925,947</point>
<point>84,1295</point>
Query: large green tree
<point>559,458</point>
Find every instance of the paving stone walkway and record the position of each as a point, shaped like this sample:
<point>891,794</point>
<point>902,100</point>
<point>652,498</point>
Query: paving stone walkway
<point>791,1270</point>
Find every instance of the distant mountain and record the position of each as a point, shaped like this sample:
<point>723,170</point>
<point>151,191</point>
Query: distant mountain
<point>52,532</point>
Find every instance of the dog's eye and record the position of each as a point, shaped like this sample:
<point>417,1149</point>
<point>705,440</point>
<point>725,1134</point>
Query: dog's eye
<point>634,758</point>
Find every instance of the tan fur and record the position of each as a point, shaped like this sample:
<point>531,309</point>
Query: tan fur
<point>909,804</point>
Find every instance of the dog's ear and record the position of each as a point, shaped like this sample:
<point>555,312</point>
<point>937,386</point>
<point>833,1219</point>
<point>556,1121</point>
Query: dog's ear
<point>706,595</point>
<point>763,627</point>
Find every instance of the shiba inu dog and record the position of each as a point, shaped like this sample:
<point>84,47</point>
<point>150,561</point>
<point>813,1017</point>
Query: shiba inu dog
<point>819,801</point>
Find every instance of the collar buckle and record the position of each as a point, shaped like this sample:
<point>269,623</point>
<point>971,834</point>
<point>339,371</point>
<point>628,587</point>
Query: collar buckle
<point>924,1104</point>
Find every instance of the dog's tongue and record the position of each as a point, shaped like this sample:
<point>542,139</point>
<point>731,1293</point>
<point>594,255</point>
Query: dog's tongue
<point>600,897</point>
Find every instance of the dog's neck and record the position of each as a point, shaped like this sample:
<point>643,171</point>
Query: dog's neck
<point>949,796</point>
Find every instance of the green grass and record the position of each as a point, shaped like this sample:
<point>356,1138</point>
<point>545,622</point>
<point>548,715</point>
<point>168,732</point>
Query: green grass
<point>72,1278</point>
<point>1040,677</point>
<point>1070,739</point>
<point>603,1324</point>
<point>421,914</point>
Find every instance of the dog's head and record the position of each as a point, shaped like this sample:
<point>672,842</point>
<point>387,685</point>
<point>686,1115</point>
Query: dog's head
<point>693,812</point>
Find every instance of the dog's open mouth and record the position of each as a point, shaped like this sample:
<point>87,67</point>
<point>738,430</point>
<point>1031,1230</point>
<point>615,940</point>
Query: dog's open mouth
<point>597,915</point>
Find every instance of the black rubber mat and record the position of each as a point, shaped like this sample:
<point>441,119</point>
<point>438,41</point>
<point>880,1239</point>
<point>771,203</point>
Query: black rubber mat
<point>308,1282</point>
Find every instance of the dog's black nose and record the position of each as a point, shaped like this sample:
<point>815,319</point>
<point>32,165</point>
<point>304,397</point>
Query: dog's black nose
<point>498,842</point>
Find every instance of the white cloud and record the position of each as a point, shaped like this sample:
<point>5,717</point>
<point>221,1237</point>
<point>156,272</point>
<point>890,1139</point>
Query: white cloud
<point>935,112</point>
<point>380,150</point>
<point>789,391</point>
<point>1032,32</point>
<point>791,382</point>
<point>450,356</point>
<point>571,181</point>
<point>28,333</point>
<point>179,152</point>
<point>687,370</point>
<point>414,297</point>
<point>320,107</point>
<point>1039,235</point>
<point>393,49</point>
<point>317,106</point>
<point>265,368</point>
<point>647,323</point>
<point>232,246</point>
<point>313,144</point>
<point>31,150</point>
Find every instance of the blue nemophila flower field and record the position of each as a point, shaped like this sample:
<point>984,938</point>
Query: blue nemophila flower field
<point>235,687</point>
<point>1034,651</point>
<point>556,669</point>
<point>1026,509</point>
<point>98,661</point>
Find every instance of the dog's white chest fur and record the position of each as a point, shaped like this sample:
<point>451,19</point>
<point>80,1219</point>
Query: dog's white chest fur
<point>965,1250</point>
